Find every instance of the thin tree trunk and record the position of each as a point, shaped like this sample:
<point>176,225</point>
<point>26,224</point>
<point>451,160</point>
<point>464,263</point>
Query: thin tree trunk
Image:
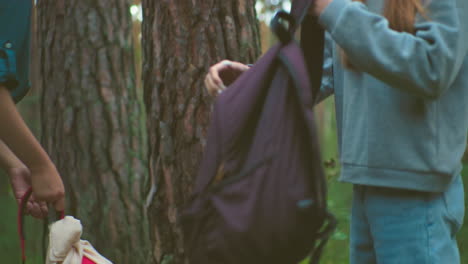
<point>181,40</point>
<point>92,120</point>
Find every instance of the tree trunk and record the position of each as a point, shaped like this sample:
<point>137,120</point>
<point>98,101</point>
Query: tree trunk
<point>181,40</point>
<point>92,123</point>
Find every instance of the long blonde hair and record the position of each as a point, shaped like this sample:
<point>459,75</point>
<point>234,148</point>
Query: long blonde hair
<point>401,15</point>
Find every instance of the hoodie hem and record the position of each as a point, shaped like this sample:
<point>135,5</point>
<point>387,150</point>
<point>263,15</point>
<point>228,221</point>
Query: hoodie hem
<point>410,180</point>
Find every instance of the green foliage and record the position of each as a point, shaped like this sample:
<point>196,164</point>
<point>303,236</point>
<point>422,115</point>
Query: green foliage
<point>168,259</point>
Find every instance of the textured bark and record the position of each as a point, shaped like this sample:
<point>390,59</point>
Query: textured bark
<point>92,122</point>
<point>181,40</point>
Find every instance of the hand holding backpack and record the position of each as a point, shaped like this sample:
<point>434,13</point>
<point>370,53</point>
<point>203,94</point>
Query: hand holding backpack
<point>260,194</point>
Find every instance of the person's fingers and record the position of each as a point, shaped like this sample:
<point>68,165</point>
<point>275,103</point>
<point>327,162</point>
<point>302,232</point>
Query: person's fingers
<point>59,204</point>
<point>229,71</point>
<point>213,81</point>
<point>213,89</point>
<point>205,81</point>
<point>214,73</point>
<point>44,209</point>
<point>238,66</point>
<point>209,85</point>
<point>36,211</point>
<point>28,208</point>
<point>34,208</point>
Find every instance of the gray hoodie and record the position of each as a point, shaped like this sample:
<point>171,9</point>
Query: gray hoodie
<point>402,114</point>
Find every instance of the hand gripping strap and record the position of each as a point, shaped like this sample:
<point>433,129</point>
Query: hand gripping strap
<point>20,221</point>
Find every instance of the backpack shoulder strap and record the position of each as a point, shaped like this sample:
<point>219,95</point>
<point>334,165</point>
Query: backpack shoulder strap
<point>285,31</point>
<point>299,10</point>
<point>313,44</point>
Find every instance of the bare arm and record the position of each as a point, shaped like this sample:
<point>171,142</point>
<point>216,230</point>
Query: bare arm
<point>46,182</point>
<point>8,159</point>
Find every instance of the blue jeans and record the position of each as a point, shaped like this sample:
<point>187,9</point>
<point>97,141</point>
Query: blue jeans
<point>393,226</point>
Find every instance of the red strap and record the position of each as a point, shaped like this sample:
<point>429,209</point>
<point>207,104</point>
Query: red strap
<point>22,206</point>
<point>20,221</point>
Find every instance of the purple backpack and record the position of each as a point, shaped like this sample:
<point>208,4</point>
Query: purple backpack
<point>260,194</point>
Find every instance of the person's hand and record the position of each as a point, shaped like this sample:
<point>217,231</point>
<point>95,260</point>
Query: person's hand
<point>48,186</point>
<point>318,7</point>
<point>20,179</point>
<point>223,74</point>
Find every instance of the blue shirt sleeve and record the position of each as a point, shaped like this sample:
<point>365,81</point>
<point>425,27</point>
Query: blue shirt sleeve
<point>8,76</point>
<point>15,23</point>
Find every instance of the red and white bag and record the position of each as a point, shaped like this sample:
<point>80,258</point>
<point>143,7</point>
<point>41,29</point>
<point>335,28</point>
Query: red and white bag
<point>65,244</point>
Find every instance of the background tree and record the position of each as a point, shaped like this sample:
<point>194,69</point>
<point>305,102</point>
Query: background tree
<point>181,40</point>
<point>92,120</point>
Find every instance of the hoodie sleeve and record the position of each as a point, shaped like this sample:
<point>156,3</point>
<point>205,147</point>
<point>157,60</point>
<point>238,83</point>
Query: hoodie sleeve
<point>425,64</point>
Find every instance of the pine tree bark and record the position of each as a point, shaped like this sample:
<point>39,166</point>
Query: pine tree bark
<point>181,40</point>
<point>92,123</point>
